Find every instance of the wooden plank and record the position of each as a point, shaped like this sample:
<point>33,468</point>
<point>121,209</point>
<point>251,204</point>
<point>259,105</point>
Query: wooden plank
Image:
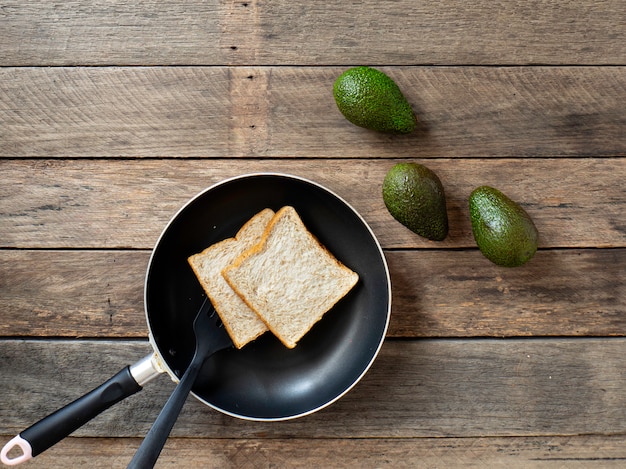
<point>119,204</point>
<point>117,112</point>
<point>424,388</point>
<point>516,453</point>
<point>281,32</point>
<point>460,294</point>
<point>435,294</point>
<point>290,112</point>
<point>73,293</point>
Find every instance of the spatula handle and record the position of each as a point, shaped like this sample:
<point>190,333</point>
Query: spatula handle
<point>150,449</point>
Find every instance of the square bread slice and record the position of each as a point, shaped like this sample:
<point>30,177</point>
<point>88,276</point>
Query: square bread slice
<point>241,322</point>
<point>289,279</point>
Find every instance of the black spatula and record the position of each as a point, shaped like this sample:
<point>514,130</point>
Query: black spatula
<point>211,337</point>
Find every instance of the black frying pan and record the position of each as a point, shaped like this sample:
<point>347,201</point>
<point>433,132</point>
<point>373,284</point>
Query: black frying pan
<point>264,380</point>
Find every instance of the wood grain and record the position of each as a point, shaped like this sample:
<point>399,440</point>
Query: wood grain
<point>278,112</point>
<point>575,203</point>
<point>515,453</point>
<point>73,293</point>
<point>436,293</point>
<point>284,33</point>
<point>458,294</point>
<point>424,388</point>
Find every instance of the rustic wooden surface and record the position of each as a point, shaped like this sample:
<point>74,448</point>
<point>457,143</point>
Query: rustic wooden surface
<point>112,115</point>
<point>244,111</point>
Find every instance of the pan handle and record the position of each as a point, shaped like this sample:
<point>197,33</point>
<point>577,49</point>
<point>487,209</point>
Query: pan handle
<point>51,429</point>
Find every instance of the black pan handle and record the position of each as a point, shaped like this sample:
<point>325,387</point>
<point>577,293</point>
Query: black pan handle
<point>51,429</point>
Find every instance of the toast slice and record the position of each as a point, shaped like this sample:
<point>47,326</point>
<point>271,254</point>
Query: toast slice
<point>241,322</point>
<point>289,279</point>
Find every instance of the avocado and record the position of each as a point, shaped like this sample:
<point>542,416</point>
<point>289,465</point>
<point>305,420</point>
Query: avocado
<point>414,196</point>
<point>370,99</point>
<point>504,232</point>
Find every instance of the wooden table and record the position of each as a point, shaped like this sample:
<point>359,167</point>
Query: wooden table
<point>114,114</point>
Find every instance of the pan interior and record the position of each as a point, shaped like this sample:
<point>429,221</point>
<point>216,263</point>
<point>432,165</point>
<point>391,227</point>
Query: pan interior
<point>265,380</point>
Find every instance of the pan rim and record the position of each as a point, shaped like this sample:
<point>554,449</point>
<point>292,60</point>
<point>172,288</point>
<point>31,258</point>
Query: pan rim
<point>166,367</point>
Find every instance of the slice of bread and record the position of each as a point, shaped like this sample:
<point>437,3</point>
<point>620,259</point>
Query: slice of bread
<point>241,322</point>
<point>289,279</point>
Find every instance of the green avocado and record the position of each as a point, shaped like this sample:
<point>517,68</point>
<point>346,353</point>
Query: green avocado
<point>504,232</point>
<point>370,99</point>
<point>414,196</point>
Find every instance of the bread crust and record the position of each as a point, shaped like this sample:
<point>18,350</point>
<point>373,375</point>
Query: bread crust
<point>217,293</point>
<point>347,278</point>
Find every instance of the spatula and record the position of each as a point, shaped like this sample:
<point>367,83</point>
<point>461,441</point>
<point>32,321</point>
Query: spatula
<point>211,337</point>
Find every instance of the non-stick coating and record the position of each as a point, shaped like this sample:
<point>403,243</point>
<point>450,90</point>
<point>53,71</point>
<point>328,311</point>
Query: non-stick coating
<point>265,380</point>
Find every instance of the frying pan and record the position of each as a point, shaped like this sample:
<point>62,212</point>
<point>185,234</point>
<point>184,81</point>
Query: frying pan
<point>263,381</point>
